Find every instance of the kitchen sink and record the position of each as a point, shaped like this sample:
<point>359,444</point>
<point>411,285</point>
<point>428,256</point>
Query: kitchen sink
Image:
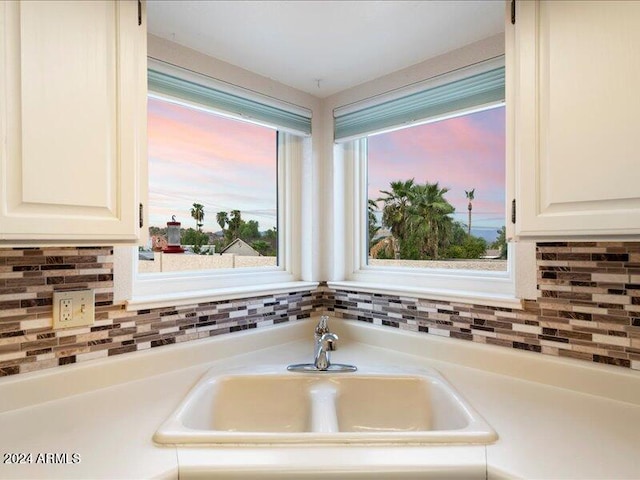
<point>271,405</point>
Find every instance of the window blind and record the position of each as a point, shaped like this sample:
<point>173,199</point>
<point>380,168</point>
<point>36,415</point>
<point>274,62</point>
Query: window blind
<point>472,91</point>
<point>183,89</point>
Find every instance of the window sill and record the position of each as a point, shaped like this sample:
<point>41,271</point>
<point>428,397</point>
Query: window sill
<point>215,295</point>
<point>492,300</point>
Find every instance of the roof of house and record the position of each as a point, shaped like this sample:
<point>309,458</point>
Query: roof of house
<point>238,243</point>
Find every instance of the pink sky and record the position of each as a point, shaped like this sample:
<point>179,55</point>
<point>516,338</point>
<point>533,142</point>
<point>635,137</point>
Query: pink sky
<point>459,153</point>
<point>226,164</point>
<point>221,163</point>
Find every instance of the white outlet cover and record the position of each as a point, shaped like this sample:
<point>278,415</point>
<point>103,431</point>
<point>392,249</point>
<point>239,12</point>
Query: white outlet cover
<point>82,308</point>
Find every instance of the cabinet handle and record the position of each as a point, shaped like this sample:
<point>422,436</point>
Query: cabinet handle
<point>140,16</point>
<point>513,211</point>
<point>141,215</point>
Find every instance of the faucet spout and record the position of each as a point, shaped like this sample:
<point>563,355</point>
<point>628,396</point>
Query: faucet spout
<point>322,350</point>
<point>323,342</point>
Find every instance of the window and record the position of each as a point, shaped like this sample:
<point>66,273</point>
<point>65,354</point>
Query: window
<point>217,177</point>
<point>436,194</point>
<point>414,161</point>
<point>227,165</point>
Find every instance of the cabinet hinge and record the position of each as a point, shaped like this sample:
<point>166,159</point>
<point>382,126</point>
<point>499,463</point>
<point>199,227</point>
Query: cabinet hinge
<point>513,211</point>
<point>141,216</point>
<point>140,16</point>
<point>513,12</point>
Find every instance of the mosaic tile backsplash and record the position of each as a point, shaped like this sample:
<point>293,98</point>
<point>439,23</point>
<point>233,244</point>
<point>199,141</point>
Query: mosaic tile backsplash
<point>588,308</point>
<point>28,278</point>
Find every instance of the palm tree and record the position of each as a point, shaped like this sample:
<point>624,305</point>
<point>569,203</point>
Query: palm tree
<point>197,212</point>
<point>222,218</point>
<point>430,216</point>
<point>470,195</point>
<point>373,228</point>
<point>235,223</point>
<point>395,212</point>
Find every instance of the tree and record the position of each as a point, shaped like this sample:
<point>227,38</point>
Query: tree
<point>195,238</point>
<point>261,246</point>
<point>249,230</point>
<point>271,234</point>
<point>222,218</point>
<point>471,247</point>
<point>395,212</point>
<point>458,233</point>
<point>501,242</point>
<point>470,196</point>
<point>271,237</point>
<point>373,227</point>
<point>234,224</point>
<point>429,217</point>
<point>197,212</point>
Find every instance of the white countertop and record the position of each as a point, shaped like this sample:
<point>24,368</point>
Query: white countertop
<point>107,411</point>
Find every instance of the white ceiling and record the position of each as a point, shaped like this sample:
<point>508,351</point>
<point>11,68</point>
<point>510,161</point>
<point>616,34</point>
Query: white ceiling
<point>323,47</point>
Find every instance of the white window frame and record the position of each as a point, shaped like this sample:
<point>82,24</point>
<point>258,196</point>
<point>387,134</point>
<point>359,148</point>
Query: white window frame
<point>350,268</point>
<point>151,290</point>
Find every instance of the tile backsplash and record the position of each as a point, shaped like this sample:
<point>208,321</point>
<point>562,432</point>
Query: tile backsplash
<point>588,308</point>
<point>28,278</point>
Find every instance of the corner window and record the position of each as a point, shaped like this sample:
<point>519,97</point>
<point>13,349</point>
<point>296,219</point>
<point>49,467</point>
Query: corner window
<point>424,191</point>
<point>225,194</point>
<point>436,194</point>
<point>212,179</point>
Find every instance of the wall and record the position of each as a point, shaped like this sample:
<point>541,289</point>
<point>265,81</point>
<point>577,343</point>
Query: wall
<point>28,277</point>
<point>588,307</point>
<point>170,262</point>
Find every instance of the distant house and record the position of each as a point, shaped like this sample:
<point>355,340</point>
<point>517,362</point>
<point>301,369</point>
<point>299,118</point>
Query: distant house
<point>241,248</point>
<point>158,242</point>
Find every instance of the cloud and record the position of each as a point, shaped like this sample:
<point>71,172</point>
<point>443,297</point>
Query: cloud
<point>226,164</point>
<point>222,163</point>
<point>459,153</point>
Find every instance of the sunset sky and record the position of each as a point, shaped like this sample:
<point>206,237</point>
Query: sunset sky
<point>221,163</point>
<point>459,153</point>
<point>225,164</point>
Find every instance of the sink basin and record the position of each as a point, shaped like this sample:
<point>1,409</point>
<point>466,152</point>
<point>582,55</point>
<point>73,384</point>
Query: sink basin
<point>397,404</point>
<point>250,403</point>
<point>279,407</point>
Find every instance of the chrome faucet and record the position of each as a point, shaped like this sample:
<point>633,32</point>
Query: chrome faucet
<point>321,329</point>
<point>324,342</point>
<point>322,349</point>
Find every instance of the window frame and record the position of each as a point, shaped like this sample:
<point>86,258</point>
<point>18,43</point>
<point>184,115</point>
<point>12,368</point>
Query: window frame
<point>350,267</point>
<point>150,290</point>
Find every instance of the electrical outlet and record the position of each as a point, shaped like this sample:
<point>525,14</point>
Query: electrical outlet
<point>66,310</point>
<point>75,308</point>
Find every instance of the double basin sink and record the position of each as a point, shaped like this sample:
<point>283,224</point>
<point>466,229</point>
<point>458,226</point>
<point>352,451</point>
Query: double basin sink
<point>372,406</point>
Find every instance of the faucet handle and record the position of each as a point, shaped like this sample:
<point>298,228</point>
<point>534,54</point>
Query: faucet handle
<point>322,326</point>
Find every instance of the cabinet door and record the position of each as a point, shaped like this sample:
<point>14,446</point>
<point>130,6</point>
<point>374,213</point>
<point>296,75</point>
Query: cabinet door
<point>577,128</point>
<point>73,116</point>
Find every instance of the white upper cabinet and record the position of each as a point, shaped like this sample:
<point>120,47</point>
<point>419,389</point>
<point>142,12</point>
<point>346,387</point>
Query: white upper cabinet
<point>577,118</point>
<point>72,120</point>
